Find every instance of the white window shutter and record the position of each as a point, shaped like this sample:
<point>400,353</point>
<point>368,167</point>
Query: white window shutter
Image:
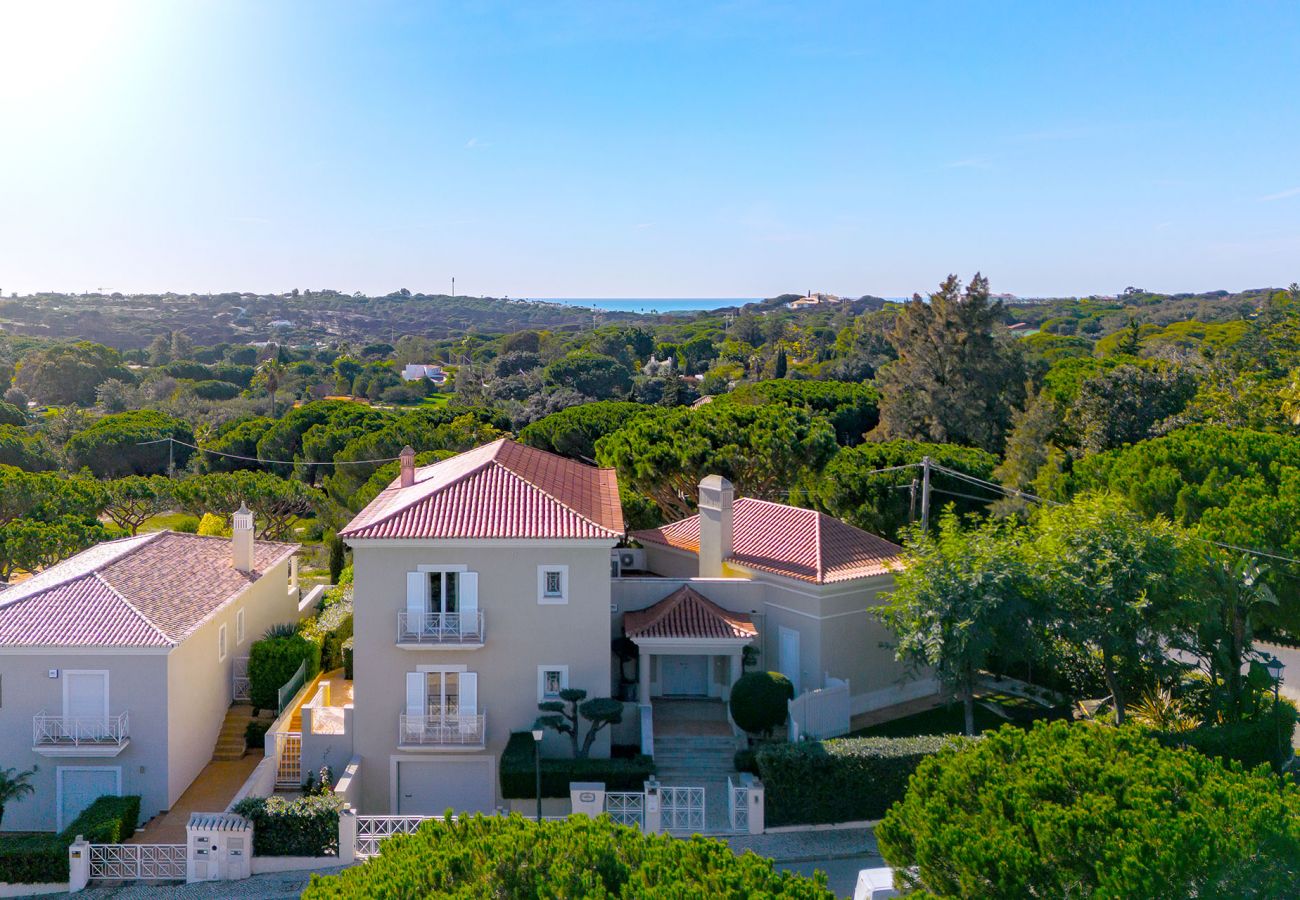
<point>468,602</point>
<point>415,696</point>
<point>469,693</point>
<point>417,584</point>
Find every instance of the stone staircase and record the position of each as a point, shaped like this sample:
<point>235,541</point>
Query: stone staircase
<point>231,742</point>
<point>694,759</point>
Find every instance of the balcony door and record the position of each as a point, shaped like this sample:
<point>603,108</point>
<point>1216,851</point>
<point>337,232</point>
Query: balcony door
<point>441,697</point>
<point>85,695</point>
<point>442,601</point>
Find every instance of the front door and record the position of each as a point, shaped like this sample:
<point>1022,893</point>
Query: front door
<point>684,676</point>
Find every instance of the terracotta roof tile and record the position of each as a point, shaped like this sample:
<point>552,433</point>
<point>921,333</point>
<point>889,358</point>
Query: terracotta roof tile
<point>685,613</point>
<point>149,590</point>
<point>499,490</point>
<point>787,540</point>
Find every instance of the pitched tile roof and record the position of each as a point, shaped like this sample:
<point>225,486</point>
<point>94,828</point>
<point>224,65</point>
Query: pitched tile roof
<point>787,540</point>
<point>685,613</point>
<point>152,590</point>
<point>499,490</point>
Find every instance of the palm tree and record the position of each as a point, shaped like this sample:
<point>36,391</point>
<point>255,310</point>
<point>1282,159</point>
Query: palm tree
<point>14,786</point>
<point>270,372</point>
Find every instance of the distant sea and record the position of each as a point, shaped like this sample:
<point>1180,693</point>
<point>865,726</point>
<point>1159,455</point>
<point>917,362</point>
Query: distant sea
<point>650,304</point>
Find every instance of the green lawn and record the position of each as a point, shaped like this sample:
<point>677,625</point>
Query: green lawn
<point>170,520</point>
<point>951,718</point>
<point>436,400</point>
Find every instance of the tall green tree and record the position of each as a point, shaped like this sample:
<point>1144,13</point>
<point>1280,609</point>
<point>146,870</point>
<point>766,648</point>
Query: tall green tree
<point>953,381</point>
<point>961,597</point>
<point>132,501</point>
<point>131,443</point>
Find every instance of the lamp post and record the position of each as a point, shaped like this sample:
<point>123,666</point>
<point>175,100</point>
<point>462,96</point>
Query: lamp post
<point>537,759</point>
<point>1275,667</point>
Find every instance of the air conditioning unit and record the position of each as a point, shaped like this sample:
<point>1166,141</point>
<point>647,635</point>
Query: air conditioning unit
<point>630,559</point>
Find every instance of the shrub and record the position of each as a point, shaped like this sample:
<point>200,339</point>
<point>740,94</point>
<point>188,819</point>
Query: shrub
<point>272,662</point>
<point>255,734</point>
<point>519,776</point>
<point>843,780</point>
<point>304,826</point>
<point>759,701</point>
<point>746,761</point>
<point>347,659</point>
<point>210,389</point>
<point>186,525</point>
<point>213,525</point>
<point>331,627</point>
<point>33,859</point>
<point>336,549</point>
<point>109,820</point>
<point>1084,810</point>
<point>1252,742</point>
<point>509,856</point>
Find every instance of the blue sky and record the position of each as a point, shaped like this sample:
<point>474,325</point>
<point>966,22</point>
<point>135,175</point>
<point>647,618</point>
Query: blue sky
<point>612,149</point>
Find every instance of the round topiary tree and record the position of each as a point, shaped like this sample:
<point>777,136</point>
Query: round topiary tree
<point>759,701</point>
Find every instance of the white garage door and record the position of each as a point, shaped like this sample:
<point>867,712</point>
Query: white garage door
<point>430,788</point>
<point>79,787</point>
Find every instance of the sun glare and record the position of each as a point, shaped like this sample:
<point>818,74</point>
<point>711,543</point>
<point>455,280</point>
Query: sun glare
<point>48,45</point>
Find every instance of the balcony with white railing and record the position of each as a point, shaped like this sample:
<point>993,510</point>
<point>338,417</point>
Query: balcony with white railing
<point>449,730</point>
<point>80,735</point>
<point>442,631</point>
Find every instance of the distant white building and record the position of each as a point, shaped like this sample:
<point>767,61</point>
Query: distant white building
<point>416,371</point>
<point>813,300</point>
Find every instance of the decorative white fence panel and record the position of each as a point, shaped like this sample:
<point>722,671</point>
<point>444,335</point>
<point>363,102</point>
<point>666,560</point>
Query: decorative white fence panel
<point>822,713</point>
<point>626,807</point>
<point>372,830</point>
<point>288,753</point>
<point>682,809</point>
<point>137,862</point>
<point>240,685</point>
<point>75,731</point>
<point>738,806</point>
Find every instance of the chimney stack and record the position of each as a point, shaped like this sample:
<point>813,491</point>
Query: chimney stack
<point>408,466</point>
<point>716,502</point>
<point>241,539</point>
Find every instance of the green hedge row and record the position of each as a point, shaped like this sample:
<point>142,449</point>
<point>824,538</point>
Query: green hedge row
<point>519,775</point>
<point>304,826</point>
<point>1251,743</point>
<point>841,780</point>
<point>272,662</point>
<point>43,858</point>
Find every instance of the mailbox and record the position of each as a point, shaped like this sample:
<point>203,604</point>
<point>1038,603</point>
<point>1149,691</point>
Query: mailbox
<point>218,847</point>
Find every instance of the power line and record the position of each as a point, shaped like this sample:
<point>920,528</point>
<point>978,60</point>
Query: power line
<point>270,462</point>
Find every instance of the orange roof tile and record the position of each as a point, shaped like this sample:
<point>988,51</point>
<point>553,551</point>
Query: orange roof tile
<point>685,613</point>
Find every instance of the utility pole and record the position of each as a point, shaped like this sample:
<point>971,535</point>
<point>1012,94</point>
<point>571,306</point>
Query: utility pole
<point>171,463</point>
<point>911,502</point>
<point>925,493</point>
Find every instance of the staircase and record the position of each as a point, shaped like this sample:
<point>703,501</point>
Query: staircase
<point>231,743</point>
<point>694,759</point>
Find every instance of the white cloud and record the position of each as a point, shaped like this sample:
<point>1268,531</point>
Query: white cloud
<point>974,162</point>
<point>476,144</point>
<point>1281,195</point>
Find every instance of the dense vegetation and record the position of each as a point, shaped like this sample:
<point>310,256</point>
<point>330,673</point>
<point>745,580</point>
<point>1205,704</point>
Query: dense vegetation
<point>508,856</point>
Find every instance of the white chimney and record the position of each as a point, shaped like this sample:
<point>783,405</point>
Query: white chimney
<point>408,466</point>
<point>241,539</point>
<point>716,501</point>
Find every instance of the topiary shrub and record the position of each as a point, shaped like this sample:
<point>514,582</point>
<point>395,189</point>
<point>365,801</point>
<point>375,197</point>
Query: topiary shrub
<point>759,701</point>
<point>272,661</point>
<point>109,820</point>
<point>842,780</point>
<point>519,774</point>
<point>509,856</point>
<point>304,826</point>
<point>1085,810</point>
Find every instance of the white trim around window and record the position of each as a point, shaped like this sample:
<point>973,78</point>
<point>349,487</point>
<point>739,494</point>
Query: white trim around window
<point>552,584</point>
<point>239,628</point>
<point>221,643</point>
<point>552,674</point>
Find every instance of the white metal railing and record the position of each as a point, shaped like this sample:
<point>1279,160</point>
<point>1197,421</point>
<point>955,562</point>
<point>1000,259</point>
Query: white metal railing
<point>137,862</point>
<point>626,807</point>
<point>241,686</point>
<point>374,830</point>
<point>75,731</point>
<point>738,805</point>
<point>440,628</point>
<point>288,754</point>
<point>454,728</point>
<point>682,809</point>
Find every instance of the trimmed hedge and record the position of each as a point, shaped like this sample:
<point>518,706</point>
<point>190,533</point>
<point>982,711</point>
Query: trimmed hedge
<point>1252,743</point>
<point>760,701</point>
<point>841,780</point>
<point>509,856</point>
<point>43,858</point>
<point>272,661</point>
<point>304,826</point>
<point>519,774</point>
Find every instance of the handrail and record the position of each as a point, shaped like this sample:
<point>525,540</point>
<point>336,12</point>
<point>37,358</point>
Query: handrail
<point>77,730</point>
<point>446,728</point>
<point>440,628</point>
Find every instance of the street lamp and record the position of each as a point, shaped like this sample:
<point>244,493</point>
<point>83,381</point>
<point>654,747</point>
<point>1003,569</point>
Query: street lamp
<point>1275,667</point>
<point>537,759</point>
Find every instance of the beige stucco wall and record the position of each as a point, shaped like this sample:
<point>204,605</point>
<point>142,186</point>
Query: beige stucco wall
<point>521,635</point>
<point>199,683</point>
<point>136,685</point>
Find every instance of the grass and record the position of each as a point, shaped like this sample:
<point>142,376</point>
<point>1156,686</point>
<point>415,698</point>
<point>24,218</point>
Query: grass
<point>951,718</point>
<point>436,400</point>
<point>172,520</point>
